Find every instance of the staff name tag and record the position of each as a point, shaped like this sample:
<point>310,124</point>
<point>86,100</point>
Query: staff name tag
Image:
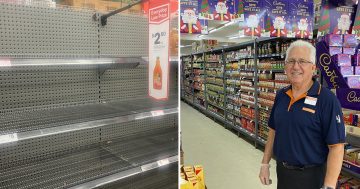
<point>310,100</point>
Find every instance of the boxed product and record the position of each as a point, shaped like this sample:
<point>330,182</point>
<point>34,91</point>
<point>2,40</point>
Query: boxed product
<point>351,155</point>
<point>348,50</point>
<point>199,171</point>
<point>334,40</point>
<point>356,59</point>
<point>347,70</point>
<point>357,70</point>
<point>353,81</point>
<point>335,50</point>
<point>342,59</point>
<point>350,40</point>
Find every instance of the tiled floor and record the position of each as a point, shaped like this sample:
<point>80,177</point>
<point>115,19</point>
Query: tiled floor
<point>229,162</point>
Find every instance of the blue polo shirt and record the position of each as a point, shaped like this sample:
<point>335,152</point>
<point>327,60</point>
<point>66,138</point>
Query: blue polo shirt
<point>305,127</point>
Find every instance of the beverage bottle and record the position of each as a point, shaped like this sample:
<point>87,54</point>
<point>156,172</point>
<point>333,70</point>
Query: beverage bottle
<point>157,77</point>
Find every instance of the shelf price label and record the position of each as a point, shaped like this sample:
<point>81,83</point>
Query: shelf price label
<point>159,26</point>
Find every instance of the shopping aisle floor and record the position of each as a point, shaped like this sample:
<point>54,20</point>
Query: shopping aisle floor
<point>229,162</point>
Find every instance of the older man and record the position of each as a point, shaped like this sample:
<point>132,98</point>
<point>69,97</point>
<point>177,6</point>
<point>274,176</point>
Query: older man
<point>307,131</point>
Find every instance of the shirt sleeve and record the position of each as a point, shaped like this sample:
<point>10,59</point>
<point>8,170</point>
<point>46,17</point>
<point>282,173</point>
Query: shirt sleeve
<point>271,122</point>
<point>333,122</point>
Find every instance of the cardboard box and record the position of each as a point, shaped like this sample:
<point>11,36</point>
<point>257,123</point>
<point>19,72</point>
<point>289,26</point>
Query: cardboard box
<point>342,59</point>
<point>350,40</point>
<point>199,171</point>
<point>335,50</point>
<point>353,81</point>
<point>348,50</point>
<point>334,40</point>
<point>347,70</point>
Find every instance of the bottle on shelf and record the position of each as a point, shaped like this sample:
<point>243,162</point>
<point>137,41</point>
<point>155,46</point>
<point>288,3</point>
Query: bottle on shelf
<point>157,77</point>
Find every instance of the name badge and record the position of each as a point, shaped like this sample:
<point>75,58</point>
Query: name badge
<point>310,100</point>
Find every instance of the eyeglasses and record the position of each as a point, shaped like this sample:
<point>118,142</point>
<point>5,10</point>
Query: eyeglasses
<point>301,62</point>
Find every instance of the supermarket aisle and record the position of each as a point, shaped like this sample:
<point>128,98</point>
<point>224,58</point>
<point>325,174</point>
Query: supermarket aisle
<point>229,161</point>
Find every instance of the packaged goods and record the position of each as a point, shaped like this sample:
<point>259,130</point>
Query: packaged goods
<point>335,50</point>
<point>353,81</point>
<point>334,40</point>
<point>342,59</point>
<point>350,40</point>
<point>347,70</point>
<point>348,50</point>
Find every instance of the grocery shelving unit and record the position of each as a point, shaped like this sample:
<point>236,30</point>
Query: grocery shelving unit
<point>74,106</point>
<point>247,75</point>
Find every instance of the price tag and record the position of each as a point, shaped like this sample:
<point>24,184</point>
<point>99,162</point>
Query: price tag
<point>157,113</point>
<point>5,62</point>
<point>159,25</point>
<point>8,138</point>
<point>163,162</point>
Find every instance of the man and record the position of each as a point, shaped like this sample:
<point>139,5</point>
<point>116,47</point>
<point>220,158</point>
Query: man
<point>306,128</point>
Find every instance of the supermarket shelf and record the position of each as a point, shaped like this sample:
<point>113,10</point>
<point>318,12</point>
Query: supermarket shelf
<point>218,92</point>
<point>128,173</point>
<point>235,114</point>
<point>212,104</point>
<point>351,169</point>
<point>282,55</point>
<point>164,177</point>
<point>221,85</point>
<point>261,141</point>
<point>214,76</point>
<point>271,70</point>
<point>143,152</point>
<point>26,124</point>
<point>244,131</point>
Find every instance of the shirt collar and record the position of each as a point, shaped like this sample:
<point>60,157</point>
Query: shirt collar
<point>313,91</point>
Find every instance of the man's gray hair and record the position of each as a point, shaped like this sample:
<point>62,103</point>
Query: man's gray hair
<point>302,43</point>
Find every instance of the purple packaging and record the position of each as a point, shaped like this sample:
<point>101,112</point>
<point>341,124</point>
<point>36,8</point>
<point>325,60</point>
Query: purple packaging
<point>334,40</point>
<point>347,70</point>
<point>342,59</point>
<point>335,51</point>
<point>356,60</point>
<point>354,81</point>
<point>348,50</point>
<point>357,70</point>
<point>350,40</point>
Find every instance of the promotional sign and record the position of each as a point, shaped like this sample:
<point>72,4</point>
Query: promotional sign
<point>222,10</point>
<point>301,18</point>
<point>253,24</point>
<point>337,17</point>
<point>159,26</point>
<point>189,19</point>
<point>280,22</point>
<point>356,27</point>
<point>349,98</point>
<point>328,67</point>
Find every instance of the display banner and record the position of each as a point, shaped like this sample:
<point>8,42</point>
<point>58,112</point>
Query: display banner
<point>328,67</point>
<point>189,19</point>
<point>222,10</point>
<point>159,26</point>
<point>337,17</point>
<point>280,22</point>
<point>349,98</point>
<point>356,27</point>
<point>253,24</point>
<point>301,19</point>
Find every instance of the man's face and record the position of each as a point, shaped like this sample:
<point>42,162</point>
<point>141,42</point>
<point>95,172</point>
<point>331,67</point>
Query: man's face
<point>344,22</point>
<point>221,8</point>
<point>299,74</point>
<point>189,16</point>
<point>279,23</point>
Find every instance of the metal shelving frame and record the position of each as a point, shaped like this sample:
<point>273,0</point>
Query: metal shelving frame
<point>74,105</point>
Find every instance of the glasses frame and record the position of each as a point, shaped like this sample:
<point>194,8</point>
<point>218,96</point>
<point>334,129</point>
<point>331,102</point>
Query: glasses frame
<point>301,62</point>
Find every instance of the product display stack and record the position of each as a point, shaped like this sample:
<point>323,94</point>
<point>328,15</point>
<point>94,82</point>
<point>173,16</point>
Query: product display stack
<point>192,177</point>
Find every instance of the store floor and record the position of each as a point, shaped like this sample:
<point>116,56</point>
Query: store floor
<point>229,162</point>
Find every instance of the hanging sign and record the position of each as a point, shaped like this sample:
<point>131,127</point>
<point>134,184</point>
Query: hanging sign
<point>336,17</point>
<point>349,98</point>
<point>189,19</point>
<point>253,23</point>
<point>222,10</point>
<point>328,67</point>
<point>356,27</point>
<point>301,18</point>
<point>280,21</point>
<point>159,26</point>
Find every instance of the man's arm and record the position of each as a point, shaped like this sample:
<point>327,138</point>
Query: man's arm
<point>334,164</point>
<point>269,147</point>
<point>265,167</point>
